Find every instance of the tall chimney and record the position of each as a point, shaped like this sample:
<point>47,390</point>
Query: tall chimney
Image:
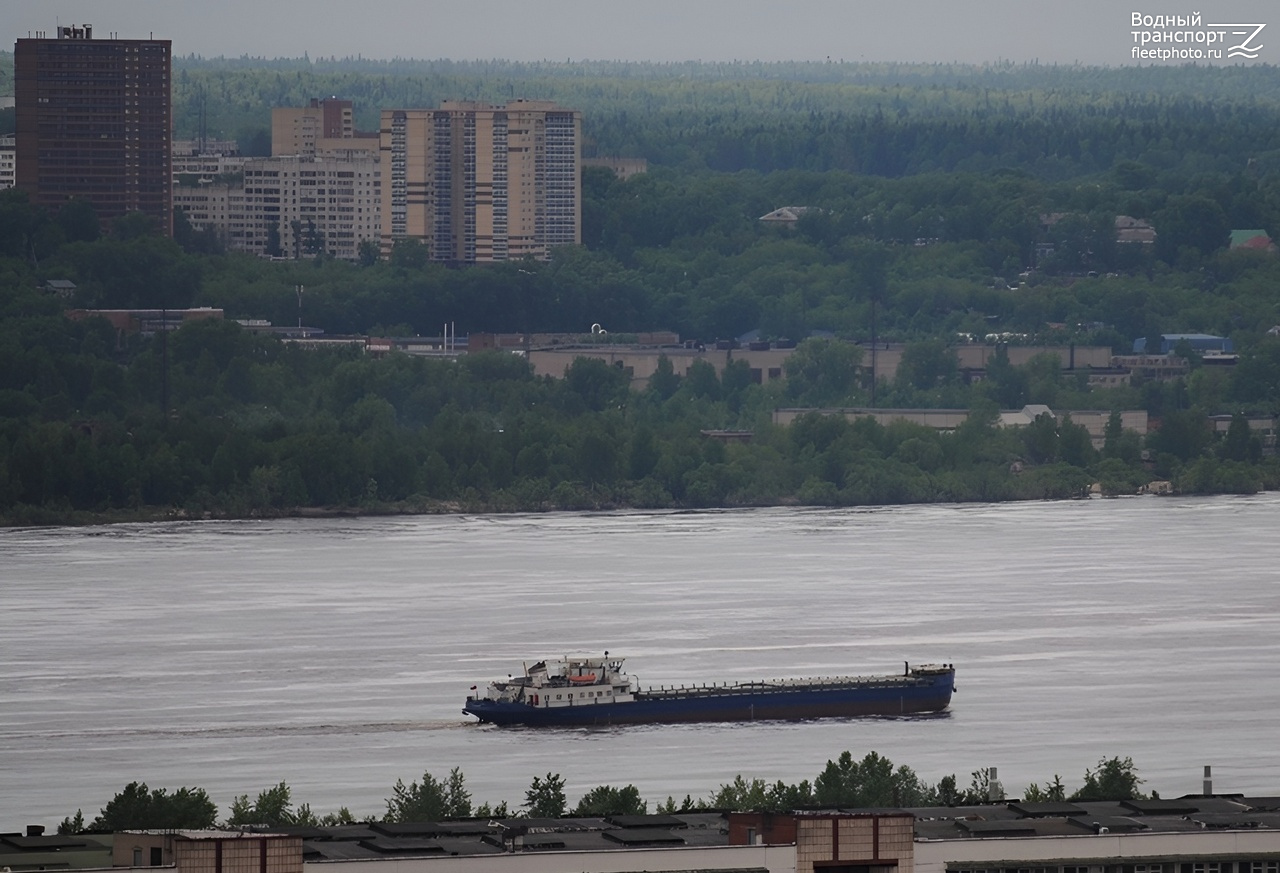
<point>1208,781</point>
<point>995,792</point>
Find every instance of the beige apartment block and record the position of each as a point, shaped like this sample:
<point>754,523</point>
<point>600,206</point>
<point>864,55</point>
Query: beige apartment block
<point>206,205</point>
<point>297,130</point>
<point>327,203</point>
<point>478,183</point>
<point>204,167</point>
<point>325,128</point>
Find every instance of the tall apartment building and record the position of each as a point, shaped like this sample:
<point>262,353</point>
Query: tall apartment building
<point>325,125</point>
<point>94,122</point>
<point>329,201</point>
<point>292,206</point>
<point>478,183</point>
<point>7,165</point>
<point>319,190</point>
<point>194,165</point>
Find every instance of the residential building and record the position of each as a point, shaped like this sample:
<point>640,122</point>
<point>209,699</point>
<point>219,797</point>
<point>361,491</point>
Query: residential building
<point>292,206</point>
<point>203,161</point>
<point>7,152</point>
<point>94,123</point>
<point>325,125</point>
<point>316,204</point>
<point>64,288</point>
<point>478,183</point>
<point>785,216</point>
<point>318,192</point>
<point>192,147</point>
<point>211,205</point>
<point>1256,240</point>
<point>1130,230</point>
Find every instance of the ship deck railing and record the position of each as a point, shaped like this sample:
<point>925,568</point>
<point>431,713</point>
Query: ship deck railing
<point>781,685</point>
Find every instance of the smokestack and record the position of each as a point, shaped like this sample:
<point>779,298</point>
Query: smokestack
<point>1208,781</point>
<point>995,793</point>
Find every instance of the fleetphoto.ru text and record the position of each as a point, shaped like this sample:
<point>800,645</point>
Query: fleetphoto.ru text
<point>1188,38</point>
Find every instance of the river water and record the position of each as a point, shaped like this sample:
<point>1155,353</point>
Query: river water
<point>335,655</point>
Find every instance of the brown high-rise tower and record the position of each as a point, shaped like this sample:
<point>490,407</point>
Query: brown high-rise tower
<point>94,123</point>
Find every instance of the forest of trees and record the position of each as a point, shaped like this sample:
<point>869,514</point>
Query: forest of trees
<point>872,782</point>
<point>927,184</point>
<point>878,119</point>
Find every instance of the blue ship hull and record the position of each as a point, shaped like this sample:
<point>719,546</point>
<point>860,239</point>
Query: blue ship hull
<point>887,696</point>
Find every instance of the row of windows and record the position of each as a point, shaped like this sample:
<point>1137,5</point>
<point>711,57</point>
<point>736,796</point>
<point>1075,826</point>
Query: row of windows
<point>605,693</point>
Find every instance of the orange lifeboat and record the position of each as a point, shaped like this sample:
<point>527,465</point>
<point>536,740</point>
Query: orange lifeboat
<point>589,679</point>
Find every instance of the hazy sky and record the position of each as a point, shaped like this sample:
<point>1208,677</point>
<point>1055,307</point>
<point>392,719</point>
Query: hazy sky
<point>1062,32</point>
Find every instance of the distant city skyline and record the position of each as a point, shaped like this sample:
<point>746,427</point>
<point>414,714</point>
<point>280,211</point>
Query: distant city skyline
<point>1090,32</point>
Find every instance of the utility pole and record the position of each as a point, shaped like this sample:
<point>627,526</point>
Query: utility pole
<point>525,293</point>
<point>164,361</point>
<point>873,350</point>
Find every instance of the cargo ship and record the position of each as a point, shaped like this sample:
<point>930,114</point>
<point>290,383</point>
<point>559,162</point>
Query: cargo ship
<point>583,691</point>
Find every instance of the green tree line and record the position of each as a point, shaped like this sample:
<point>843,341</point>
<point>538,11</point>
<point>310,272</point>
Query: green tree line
<point>882,119</point>
<point>873,781</point>
<point>214,419</point>
<point>936,255</point>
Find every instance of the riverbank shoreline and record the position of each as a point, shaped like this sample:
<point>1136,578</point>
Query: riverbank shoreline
<point>30,517</point>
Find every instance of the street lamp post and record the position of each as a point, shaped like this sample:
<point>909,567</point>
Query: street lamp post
<point>524,306</point>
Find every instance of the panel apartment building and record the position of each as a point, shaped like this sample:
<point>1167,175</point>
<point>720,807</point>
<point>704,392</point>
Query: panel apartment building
<point>478,183</point>
<point>326,124</point>
<point>319,190</point>
<point>94,122</point>
<point>7,171</point>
